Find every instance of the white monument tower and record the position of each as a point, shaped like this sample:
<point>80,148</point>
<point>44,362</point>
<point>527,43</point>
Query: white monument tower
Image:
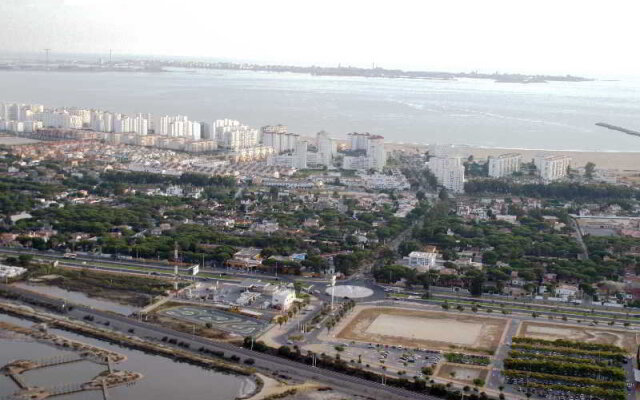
<point>333,288</point>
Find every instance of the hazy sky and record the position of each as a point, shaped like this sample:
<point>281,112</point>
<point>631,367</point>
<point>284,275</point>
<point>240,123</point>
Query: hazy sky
<point>559,36</point>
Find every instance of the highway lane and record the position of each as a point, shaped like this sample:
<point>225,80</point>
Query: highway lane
<point>344,382</point>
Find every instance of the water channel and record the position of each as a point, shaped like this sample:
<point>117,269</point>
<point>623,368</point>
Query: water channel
<point>163,378</point>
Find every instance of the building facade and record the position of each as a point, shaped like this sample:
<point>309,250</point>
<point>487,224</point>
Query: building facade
<point>449,172</point>
<point>504,165</point>
<point>551,168</point>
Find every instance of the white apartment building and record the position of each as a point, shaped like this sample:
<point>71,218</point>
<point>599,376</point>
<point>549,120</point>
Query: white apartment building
<point>504,165</point>
<point>12,126</point>
<point>449,171</point>
<point>355,162</point>
<point>59,119</point>
<point>283,298</point>
<point>552,167</point>
<point>277,137</point>
<point>179,126</point>
<point>327,148</point>
<point>359,141</point>
<point>376,153</point>
<point>296,159</point>
<point>422,260</point>
<point>373,145</point>
<point>233,135</point>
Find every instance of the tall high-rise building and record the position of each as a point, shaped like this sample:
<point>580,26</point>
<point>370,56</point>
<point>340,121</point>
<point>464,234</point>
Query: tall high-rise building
<point>376,154</point>
<point>449,171</point>
<point>279,138</point>
<point>233,135</point>
<point>504,165</point>
<point>326,148</point>
<point>374,157</point>
<point>140,124</point>
<point>4,111</point>
<point>552,167</point>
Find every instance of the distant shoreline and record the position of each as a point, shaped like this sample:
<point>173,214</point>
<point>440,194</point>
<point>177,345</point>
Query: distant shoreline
<point>617,160</point>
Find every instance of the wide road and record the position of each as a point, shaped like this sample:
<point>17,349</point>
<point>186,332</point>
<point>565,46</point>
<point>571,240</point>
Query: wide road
<point>163,269</point>
<point>263,362</point>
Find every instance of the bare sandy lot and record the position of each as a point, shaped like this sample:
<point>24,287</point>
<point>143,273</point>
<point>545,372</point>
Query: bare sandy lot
<point>548,331</point>
<point>462,333</point>
<point>418,328</point>
<point>464,374</point>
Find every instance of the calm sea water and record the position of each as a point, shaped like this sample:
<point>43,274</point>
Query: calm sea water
<point>559,115</point>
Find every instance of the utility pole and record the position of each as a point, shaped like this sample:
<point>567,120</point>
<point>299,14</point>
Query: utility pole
<point>46,51</point>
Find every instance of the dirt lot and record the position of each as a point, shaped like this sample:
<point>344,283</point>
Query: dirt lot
<point>462,373</point>
<point>418,328</point>
<point>549,331</point>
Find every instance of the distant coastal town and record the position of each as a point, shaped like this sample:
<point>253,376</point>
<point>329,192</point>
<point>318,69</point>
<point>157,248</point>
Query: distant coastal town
<point>107,64</point>
<point>226,145</point>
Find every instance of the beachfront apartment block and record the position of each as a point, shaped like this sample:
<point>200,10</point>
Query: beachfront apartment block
<point>179,126</point>
<point>449,171</point>
<point>327,149</point>
<point>296,159</point>
<point>279,138</point>
<point>552,167</point>
<point>504,165</point>
<point>375,154</point>
<point>233,135</point>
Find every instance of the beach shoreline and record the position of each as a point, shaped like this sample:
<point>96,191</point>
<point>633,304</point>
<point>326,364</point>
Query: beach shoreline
<point>620,161</point>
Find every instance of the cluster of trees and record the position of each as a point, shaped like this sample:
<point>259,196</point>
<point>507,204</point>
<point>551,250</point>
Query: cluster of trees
<point>558,190</point>
<point>18,195</point>
<point>93,219</point>
<point>586,369</point>
<point>572,352</point>
<point>589,346</point>
<point>523,355</point>
<point>471,359</point>
<point>345,307</point>
<point>145,178</point>
<point>532,248</point>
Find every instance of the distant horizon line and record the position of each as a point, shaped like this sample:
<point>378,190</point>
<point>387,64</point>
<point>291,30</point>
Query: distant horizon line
<point>263,62</point>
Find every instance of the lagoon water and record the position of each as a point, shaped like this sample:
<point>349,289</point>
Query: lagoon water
<point>78,298</point>
<point>556,115</point>
<point>163,378</point>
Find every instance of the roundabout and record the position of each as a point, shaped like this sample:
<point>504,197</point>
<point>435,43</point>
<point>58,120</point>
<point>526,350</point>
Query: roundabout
<point>350,291</point>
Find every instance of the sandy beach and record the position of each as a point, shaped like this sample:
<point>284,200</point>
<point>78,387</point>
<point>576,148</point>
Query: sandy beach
<point>609,160</point>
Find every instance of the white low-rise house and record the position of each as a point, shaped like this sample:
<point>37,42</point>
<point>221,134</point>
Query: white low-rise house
<point>566,291</point>
<point>17,217</point>
<point>513,219</point>
<point>7,271</point>
<point>423,260</point>
<point>283,298</point>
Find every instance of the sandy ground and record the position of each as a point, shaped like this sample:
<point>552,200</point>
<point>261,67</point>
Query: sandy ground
<point>609,160</point>
<point>592,334</point>
<point>274,387</point>
<point>458,332</point>
<point>16,141</point>
<point>418,328</point>
<point>463,374</point>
